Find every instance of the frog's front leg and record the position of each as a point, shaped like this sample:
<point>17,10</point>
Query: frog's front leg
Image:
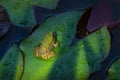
<point>37,51</point>
<point>56,44</point>
<point>48,55</point>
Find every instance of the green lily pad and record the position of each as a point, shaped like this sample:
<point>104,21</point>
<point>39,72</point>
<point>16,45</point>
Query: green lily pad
<point>11,65</point>
<point>70,63</point>
<point>83,58</point>
<point>65,26</point>
<point>21,12</point>
<point>114,71</point>
<point>97,47</point>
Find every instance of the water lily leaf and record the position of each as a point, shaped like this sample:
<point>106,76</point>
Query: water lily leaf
<point>83,58</point>
<point>114,71</point>
<point>65,26</point>
<point>97,47</point>
<point>21,12</point>
<point>11,65</point>
<point>86,54</point>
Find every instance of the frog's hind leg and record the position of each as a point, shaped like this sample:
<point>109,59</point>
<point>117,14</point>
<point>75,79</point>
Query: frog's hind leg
<point>48,55</point>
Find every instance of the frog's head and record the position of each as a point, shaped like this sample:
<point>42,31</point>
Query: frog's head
<point>49,34</point>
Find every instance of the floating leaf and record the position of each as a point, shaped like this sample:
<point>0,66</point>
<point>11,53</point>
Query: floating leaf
<point>114,71</point>
<point>83,58</point>
<point>97,47</point>
<point>65,26</point>
<point>11,65</point>
<point>21,12</point>
<point>86,54</point>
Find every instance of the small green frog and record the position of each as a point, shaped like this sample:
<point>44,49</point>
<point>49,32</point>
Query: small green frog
<point>44,50</point>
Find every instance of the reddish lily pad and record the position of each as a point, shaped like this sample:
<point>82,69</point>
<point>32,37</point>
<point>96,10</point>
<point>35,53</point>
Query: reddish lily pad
<point>4,22</point>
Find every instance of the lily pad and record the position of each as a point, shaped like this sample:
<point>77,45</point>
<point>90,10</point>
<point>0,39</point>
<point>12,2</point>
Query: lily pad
<point>114,71</point>
<point>75,62</point>
<point>11,65</point>
<point>83,58</point>
<point>97,47</point>
<point>21,12</point>
<point>65,26</point>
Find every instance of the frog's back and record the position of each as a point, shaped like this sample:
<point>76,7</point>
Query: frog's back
<point>48,41</point>
<point>49,38</point>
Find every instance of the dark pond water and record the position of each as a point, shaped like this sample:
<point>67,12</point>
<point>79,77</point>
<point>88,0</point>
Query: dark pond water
<point>16,34</point>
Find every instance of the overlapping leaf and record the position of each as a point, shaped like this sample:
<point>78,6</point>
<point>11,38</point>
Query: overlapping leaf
<point>114,71</point>
<point>11,65</point>
<point>83,58</point>
<point>86,54</point>
<point>21,12</point>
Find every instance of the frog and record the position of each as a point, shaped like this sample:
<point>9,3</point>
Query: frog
<point>44,50</point>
